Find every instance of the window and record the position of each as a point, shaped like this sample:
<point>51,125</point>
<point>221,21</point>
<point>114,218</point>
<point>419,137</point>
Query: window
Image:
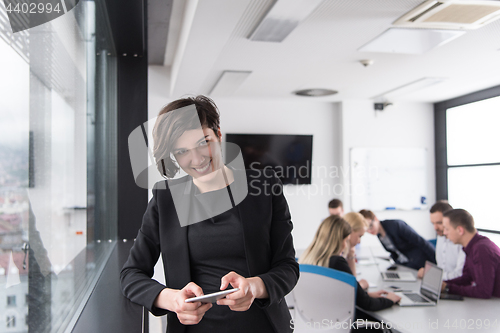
<point>57,161</point>
<point>11,321</point>
<point>472,133</point>
<point>11,300</point>
<point>468,168</point>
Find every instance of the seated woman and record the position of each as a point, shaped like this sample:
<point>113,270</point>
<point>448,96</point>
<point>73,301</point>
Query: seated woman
<point>329,242</point>
<point>359,226</point>
<point>407,248</point>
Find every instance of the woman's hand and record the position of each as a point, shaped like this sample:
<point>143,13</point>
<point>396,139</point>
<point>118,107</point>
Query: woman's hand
<point>364,284</point>
<point>393,297</point>
<point>378,293</point>
<point>352,252</point>
<point>382,293</point>
<point>250,289</point>
<point>174,300</point>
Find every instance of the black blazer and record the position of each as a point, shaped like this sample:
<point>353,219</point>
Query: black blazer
<point>268,246</point>
<point>363,300</point>
<point>408,242</point>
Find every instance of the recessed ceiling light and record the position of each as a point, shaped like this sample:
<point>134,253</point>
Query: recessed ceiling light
<point>315,92</point>
<point>411,87</point>
<point>410,41</point>
<point>229,82</point>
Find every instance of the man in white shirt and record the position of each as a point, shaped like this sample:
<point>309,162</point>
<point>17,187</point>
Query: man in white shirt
<point>450,257</point>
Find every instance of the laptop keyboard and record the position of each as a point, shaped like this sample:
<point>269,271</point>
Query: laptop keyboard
<point>392,275</point>
<point>416,298</point>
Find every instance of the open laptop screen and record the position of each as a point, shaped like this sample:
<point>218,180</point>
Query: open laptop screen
<point>431,283</point>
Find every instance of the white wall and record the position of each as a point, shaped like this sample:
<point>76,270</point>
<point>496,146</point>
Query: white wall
<point>308,203</point>
<point>404,125</point>
<point>336,128</point>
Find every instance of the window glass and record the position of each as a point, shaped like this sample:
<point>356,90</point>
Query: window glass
<point>472,133</point>
<point>57,196</point>
<point>14,179</point>
<point>475,189</point>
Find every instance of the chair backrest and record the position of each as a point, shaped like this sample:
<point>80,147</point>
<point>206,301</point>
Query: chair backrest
<point>324,299</point>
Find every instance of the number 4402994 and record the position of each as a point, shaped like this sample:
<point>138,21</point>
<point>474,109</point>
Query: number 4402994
<point>471,324</point>
<point>33,8</point>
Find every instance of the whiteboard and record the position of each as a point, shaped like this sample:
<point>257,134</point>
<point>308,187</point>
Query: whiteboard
<point>388,178</point>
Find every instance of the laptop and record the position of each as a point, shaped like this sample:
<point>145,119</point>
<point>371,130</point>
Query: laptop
<point>398,276</point>
<point>430,288</point>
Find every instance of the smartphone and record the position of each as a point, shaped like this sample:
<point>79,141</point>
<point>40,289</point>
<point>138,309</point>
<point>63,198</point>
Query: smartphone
<point>211,298</point>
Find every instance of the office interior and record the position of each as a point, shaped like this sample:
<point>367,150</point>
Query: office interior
<point>74,88</point>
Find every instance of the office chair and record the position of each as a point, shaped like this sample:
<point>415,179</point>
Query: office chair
<point>324,300</point>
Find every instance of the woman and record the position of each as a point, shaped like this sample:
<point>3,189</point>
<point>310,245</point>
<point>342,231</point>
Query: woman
<point>407,248</point>
<point>206,245</point>
<point>329,242</point>
<point>359,226</point>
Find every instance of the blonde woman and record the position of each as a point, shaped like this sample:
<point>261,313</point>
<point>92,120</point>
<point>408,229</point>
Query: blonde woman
<point>359,226</point>
<point>328,243</point>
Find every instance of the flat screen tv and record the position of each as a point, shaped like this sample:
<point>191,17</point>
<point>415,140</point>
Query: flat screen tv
<point>290,156</point>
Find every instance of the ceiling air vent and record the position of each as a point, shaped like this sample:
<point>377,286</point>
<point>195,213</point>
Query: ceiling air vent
<point>451,14</point>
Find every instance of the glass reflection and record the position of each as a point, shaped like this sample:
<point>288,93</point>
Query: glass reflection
<point>53,90</point>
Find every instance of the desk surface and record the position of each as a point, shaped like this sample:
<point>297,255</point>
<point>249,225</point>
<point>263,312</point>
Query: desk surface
<point>448,316</point>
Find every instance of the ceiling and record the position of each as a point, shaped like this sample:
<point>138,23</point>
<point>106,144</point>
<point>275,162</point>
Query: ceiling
<point>207,37</point>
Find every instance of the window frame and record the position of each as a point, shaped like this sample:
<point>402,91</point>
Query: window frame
<point>440,140</point>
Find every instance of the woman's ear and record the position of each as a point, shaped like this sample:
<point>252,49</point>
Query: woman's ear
<point>219,134</point>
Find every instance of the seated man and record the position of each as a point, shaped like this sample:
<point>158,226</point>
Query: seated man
<point>335,207</point>
<point>450,257</point>
<point>406,246</point>
<point>481,274</point>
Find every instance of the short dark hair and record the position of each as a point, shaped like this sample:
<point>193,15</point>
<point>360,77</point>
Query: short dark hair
<point>168,128</point>
<point>461,217</point>
<point>367,214</point>
<point>335,203</point>
<point>441,206</point>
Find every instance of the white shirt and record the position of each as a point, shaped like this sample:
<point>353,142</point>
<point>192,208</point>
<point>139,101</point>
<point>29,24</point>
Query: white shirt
<point>450,257</point>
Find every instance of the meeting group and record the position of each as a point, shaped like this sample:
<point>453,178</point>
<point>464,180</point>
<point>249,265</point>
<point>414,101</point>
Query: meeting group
<point>469,261</point>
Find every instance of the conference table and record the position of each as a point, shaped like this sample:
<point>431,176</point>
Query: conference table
<point>448,316</point>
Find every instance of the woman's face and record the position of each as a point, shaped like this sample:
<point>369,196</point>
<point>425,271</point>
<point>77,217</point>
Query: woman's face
<point>198,152</point>
<point>355,237</point>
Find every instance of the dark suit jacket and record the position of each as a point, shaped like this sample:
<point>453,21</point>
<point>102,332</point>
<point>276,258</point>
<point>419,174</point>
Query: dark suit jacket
<point>268,246</point>
<point>363,300</point>
<point>408,242</point>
